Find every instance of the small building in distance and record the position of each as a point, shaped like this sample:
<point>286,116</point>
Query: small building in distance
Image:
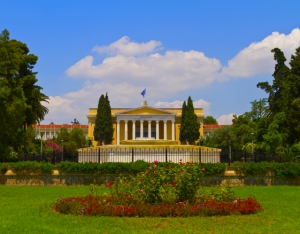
<point>48,131</point>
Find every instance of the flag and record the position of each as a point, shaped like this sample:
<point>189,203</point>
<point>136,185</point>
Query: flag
<point>143,92</point>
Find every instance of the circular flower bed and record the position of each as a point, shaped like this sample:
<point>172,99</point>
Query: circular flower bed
<point>160,192</point>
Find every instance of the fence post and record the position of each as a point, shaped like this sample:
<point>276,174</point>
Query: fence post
<point>99,155</point>
<point>166,154</point>
<point>199,155</point>
<point>132,154</point>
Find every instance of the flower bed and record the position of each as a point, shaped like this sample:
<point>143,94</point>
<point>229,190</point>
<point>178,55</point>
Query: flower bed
<point>168,191</point>
<point>104,206</point>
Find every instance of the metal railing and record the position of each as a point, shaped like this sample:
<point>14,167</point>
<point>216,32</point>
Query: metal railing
<point>242,156</point>
<point>52,158</point>
<point>148,154</point>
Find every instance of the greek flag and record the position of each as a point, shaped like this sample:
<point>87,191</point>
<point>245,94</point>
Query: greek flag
<point>143,92</point>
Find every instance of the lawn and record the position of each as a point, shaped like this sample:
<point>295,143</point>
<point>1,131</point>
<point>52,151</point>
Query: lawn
<point>29,210</point>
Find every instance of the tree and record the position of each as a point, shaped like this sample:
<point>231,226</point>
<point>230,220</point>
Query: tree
<point>189,124</point>
<point>210,120</point>
<point>20,97</point>
<point>103,131</point>
<point>182,132</point>
<point>71,141</point>
<point>220,138</point>
<point>259,109</point>
<point>284,95</point>
<point>75,121</point>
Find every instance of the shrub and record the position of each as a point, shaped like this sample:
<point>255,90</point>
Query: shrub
<point>3,167</point>
<point>287,169</point>
<point>132,167</point>
<point>27,167</point>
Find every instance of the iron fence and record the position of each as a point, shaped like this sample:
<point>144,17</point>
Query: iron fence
<point>148,154</point>
<point>52,158</point>
<point>242,156</point>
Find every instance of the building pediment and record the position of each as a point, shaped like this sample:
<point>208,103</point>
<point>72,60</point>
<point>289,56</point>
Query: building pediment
<point>146,110</point>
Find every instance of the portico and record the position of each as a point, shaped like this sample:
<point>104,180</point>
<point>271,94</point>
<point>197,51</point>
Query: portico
<point>145,123</point>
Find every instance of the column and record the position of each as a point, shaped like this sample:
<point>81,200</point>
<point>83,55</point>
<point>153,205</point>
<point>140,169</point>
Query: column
<point>142,129</point>
<point>157,129</point>
<point>173,130</point>
<point>165,129</point>
<point>118,132</point>
<point>149,129</point>
<point>126,131</point>
<point>133,129</point>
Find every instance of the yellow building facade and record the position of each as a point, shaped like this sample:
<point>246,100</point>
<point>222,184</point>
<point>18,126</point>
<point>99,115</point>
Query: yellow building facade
<point>143,123</point>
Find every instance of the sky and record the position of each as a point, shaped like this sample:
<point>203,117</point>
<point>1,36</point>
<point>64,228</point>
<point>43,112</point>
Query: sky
<point>214,51</point>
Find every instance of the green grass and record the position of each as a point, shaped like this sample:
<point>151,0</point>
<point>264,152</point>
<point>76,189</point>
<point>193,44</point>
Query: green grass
<point>28,210</point>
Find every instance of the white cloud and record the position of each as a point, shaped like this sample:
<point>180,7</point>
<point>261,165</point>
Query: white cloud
<point>225,119</point>
<point>178,104</point>
<point>126,47</point>
<point>177,70</point>
<point>257,57</point>
<point>76,104</point>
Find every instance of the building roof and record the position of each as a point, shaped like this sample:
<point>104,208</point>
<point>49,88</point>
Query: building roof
<point>58,126</point>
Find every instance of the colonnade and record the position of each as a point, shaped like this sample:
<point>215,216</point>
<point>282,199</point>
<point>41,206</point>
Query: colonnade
<point>142,129</point>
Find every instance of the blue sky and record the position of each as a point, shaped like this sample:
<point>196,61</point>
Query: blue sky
<point>215,51</point>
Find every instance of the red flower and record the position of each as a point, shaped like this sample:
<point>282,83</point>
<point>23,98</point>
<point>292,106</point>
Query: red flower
<point>109,184</point>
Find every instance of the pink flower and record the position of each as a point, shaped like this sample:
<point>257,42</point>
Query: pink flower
<point>146,172</point>
<point>141,191</point>
<point>150,167</point>
<point>155,161</point>
<point>154,165</point>
<point>154,171</point>
<point>203,169</point>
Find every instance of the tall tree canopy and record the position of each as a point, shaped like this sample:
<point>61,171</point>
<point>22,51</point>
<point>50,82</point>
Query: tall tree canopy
<point>284,95</point>
<point>103,131</point>
<point>210,120</point>
<point>189,129</point>
<point>20,97</point>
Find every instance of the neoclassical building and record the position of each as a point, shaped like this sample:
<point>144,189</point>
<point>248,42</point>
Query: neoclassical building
<point>144,122</point>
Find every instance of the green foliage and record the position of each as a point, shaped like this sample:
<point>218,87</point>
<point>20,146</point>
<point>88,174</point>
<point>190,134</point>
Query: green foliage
<point>218,193</point>
<point>182,132</point>
<point>28,167</point>
<point>259,109</point>
<point>3,168</point>
<point>220,138</point>
<point>20,97</point>
<point>164,184</point>
<point>284,96</point>
<point>209,120</point>
<point>288,169</point>
<point>133,167</point>
<point>189,129</point>
<point>103,131</point>
<point>71,141</point>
